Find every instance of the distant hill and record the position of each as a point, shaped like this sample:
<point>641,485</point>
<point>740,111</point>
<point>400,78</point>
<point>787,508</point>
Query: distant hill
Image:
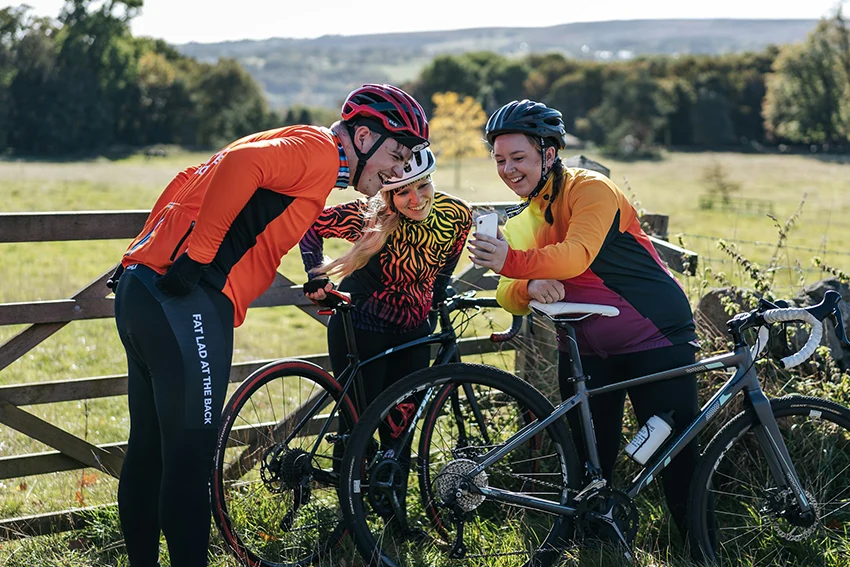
<point>318,72</point>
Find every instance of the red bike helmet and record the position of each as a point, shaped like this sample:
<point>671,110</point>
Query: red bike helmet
<point>388,111</point>
<point>400,116</point>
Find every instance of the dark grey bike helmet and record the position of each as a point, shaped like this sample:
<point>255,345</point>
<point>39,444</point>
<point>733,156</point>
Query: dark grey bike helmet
<point>527,117</point>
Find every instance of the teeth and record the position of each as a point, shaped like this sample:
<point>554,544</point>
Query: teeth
<point>517,179</point>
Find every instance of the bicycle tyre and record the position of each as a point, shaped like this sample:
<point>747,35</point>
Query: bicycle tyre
<point>248,508</point>
<point>546,545</point>
<point>749,521</point>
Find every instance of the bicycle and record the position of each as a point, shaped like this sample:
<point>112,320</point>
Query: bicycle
<point>274,484</point>
<point>773,482</point>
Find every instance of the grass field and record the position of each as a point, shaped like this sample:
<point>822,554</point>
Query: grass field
<point>42,271</point>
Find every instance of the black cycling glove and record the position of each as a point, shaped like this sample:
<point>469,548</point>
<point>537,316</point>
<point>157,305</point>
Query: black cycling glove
<point>182,276</point>
<point>112,282</point>
<point>314,285</point>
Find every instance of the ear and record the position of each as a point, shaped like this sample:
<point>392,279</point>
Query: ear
<point>362,135</point>
<point>551,152</point>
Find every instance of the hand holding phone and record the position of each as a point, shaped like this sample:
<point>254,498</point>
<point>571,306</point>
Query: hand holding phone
<point>487,224</point>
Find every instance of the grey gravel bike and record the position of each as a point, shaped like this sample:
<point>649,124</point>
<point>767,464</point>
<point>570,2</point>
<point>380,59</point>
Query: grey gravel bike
<point>501,483</point>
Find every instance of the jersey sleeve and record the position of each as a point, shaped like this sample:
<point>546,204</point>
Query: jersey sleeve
<point>279,164</point>
<point>340,221</point>
<point>594,209</point>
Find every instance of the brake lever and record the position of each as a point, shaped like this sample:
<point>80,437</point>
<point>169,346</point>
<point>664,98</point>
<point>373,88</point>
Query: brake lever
<point>764,304</point>
<point>839,326</point>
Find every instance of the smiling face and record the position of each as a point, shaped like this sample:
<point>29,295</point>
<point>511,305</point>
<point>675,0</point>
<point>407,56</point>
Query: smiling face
<point>386,163</point>
<point>518,162</point>
<point>415,199</point>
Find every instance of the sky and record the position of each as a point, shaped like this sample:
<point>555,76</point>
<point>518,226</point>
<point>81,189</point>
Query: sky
<point>207,21</point>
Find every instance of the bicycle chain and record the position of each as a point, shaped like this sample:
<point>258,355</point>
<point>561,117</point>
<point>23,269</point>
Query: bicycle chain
<point>544,483</point>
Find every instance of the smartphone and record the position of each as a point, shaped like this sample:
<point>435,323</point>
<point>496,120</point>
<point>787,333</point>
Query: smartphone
<point>487,224</point>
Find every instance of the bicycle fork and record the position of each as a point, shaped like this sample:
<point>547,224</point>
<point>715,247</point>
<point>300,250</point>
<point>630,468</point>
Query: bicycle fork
<point>778,459</point>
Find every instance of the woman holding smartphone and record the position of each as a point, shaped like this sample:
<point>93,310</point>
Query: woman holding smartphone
<point>576,237</point>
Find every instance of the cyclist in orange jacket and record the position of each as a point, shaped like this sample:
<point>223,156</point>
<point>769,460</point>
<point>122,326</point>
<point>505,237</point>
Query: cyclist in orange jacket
<point>211,245</point>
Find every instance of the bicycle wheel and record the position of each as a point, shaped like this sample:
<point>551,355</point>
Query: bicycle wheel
<point>753,522</point>
<point>273,504</point>
<point>493,405</point>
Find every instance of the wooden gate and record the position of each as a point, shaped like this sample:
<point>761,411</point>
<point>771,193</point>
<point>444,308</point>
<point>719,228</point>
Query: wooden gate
<point>44,318</point>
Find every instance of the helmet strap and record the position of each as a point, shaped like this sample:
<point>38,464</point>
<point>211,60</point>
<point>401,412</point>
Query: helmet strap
<point>362,157</point>
<point>545,172</point>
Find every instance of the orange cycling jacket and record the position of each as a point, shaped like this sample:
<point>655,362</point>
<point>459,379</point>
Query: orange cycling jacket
<point>243,210</point>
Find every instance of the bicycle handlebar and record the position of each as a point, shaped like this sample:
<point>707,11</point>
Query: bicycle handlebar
<point>813,315</point>
<point>467,301</point>
<point>797,314</point>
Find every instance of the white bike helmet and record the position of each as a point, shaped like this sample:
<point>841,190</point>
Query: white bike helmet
<point>421,165</point>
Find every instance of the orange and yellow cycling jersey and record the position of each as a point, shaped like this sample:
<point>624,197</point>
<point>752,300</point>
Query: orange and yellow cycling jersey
<point>598,251</point>
<point>243,210</point>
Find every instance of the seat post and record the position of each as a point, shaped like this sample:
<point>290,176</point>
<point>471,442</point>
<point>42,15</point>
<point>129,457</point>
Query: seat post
<point>348,327</point>
<point>576,370</point>
<point>353,356</point>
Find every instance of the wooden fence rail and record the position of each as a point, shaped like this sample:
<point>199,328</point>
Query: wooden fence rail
<point>44,318</point>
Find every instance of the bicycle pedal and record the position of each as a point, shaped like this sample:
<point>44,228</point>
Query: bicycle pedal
<point>591,488</point>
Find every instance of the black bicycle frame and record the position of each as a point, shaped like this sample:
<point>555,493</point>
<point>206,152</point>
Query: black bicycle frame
<point>448,351</point>
<point>743,380</point>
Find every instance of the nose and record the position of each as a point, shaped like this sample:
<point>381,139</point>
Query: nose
<point>398,171</point>
<point>508,166</point>
<point>415,198</point>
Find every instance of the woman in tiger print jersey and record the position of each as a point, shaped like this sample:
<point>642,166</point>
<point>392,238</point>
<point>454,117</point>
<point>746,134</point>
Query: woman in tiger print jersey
<point>408,240</point>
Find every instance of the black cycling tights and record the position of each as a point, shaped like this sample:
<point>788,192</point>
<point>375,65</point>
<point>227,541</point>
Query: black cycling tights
<point>178,353</point>
<point>679,395</point>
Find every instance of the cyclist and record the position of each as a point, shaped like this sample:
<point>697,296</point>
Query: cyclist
<point>211,245</point>
<point>407,243</point>
<point>576,237</point>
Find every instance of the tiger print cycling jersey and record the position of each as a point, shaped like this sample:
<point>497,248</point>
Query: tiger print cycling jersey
<point>395,289</point>
<point>598,251</point>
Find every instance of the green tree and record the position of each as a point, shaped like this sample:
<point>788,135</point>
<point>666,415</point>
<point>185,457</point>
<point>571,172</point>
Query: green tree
<point>230,104</point>
<point>456,128</point>
<point>446,73</point>
<point>680,92</point>
<point>33,90</point>
<point>711,112</point>
<point>632,115</point>
<point>95,63</point>
<point>12,26</point>
<point>577,93</point>
<point>808,93</point>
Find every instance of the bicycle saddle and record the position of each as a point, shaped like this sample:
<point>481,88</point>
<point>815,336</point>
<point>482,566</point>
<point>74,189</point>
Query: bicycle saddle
<point>566,311</point>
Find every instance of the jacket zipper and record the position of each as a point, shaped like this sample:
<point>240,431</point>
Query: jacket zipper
<point>182,240</point>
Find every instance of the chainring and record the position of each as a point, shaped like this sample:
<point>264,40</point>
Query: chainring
<point>613,504</point>
<point>385,478</point>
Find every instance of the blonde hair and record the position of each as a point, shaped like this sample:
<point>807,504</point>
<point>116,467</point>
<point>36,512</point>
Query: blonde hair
<point>380,221</point>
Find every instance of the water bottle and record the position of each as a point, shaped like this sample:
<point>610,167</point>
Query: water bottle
<point>650,437</point>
